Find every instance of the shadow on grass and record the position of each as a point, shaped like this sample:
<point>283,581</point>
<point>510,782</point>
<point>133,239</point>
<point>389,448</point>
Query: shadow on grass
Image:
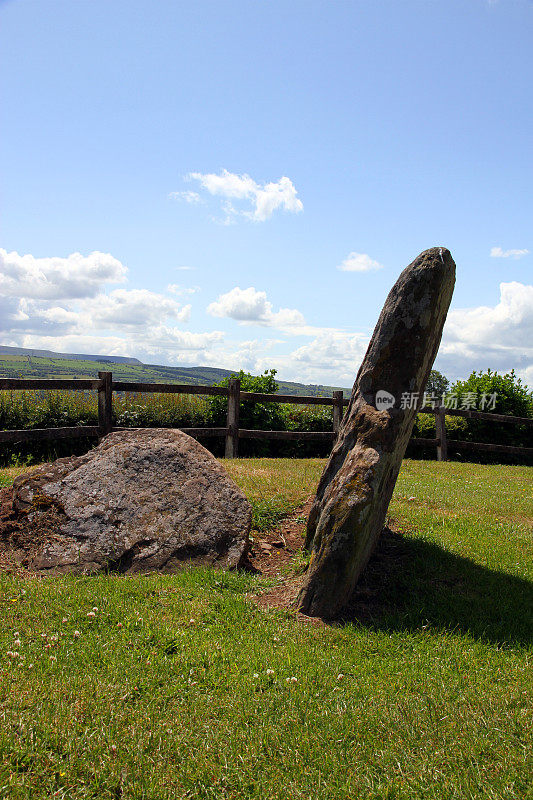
<point>410,583</point>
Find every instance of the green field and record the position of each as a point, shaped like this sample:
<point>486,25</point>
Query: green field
<point>180,687</point>
<point>26,366</point>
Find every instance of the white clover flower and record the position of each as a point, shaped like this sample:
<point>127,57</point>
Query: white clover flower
<point>77,634</point>
<point>256,675</point>
<point>17,642</point>
<point>340,676</point>
<point>270,672</point>
<point>91,614</point>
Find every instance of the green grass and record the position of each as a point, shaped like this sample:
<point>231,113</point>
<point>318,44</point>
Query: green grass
<point>8,474</point>
<point>180,687</point>
<point>274,486</point>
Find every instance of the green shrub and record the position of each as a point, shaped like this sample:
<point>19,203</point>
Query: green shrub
<point>272,417</point>
<point>512,398</point>
<point>258,416</point>
<point>252,415</point>
<point>425,427</point>
<point>482,391</point>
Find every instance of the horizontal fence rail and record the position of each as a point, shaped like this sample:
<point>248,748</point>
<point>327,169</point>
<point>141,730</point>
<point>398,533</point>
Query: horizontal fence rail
<point>232,432</point>
<point>39,434</point>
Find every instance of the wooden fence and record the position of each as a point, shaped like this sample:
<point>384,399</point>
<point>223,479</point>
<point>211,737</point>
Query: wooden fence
<point>232,432</point>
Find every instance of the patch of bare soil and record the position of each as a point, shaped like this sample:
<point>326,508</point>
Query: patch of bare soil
<point>11,554</point>
<point>274,554</point>
<point>272,551</point>
<point>21,538</point>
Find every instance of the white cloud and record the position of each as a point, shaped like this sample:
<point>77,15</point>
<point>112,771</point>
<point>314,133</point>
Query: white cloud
<point>332,357</point>
<point>227,184</point>
<point>193,198</point>
<point>497,252</point>
<point>250,305</point>
<point>60,303</point>
<point>281,194</point>
<point>167,339</point>
<point>359,262</point>
<point>135,307</point>
<point>509,324</point>
<point>264,198</point>
<point>178,290</point>
<point>20,316</point>
<point>58,278</point>
<point>241,304</point>
<point>168,345</point>
<point>526,375</point>
<point>499,337</point>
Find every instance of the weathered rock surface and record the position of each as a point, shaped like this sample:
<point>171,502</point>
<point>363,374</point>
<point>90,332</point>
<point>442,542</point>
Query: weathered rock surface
<point>142,500</point>
<point>355,489</point>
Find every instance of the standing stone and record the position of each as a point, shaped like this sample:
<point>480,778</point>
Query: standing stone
<point>143,500</point>
<point>357,484</point>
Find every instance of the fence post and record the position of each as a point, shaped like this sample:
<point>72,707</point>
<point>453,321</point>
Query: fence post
<point>337,410</point>
<point>105,403</point>
<point>440,430</point>
<point>232,424</point>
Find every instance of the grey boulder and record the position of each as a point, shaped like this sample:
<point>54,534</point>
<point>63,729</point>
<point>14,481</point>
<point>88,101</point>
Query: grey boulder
<point>143,500</point>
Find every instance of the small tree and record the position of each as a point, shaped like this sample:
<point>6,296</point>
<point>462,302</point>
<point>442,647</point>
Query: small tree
<point>437,383</point>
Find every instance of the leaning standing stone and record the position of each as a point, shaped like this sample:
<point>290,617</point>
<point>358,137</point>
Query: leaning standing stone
<point>357,484</point>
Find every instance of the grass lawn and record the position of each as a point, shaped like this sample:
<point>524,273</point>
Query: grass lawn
<point>180,687</point>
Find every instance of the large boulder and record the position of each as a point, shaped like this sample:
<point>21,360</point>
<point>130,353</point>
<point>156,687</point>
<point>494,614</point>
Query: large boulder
<point>142,500</point>
<point>356,486</point>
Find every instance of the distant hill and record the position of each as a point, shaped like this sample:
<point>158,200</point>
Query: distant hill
<point>24,351</point>
<point>20,362</point>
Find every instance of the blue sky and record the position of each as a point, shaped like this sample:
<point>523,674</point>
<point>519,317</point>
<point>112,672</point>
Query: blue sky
<point>293,156</point>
